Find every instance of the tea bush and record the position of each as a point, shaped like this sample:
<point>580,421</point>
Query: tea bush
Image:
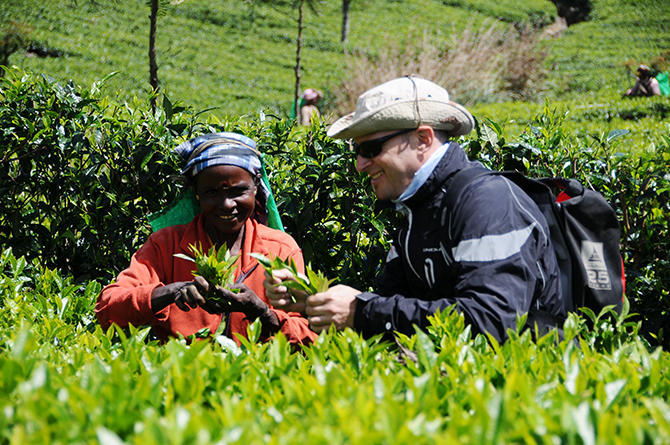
<point>63,380</point>
<point>79,175</point>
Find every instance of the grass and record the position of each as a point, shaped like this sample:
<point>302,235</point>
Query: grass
<point>238,56</point>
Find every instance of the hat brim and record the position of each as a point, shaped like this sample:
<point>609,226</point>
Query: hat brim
<point>448,116</point>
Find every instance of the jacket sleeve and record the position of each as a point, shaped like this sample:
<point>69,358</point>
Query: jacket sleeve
<point>499,253</point>
<point>294,326</point>
<point>128,299</point>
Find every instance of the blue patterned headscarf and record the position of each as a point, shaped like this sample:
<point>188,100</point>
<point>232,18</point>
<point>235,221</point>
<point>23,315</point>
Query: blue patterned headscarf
<point>207,151</point>
<point>220,149</point>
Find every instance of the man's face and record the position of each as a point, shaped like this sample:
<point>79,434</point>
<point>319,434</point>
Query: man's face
<point>392,170</point>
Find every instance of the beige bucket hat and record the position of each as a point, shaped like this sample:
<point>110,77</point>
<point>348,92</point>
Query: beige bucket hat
<point>405,102</point>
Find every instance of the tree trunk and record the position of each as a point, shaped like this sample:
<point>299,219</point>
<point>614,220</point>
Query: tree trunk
<point>297,60</point>
<point>345,20</point>
<point>153,67</point>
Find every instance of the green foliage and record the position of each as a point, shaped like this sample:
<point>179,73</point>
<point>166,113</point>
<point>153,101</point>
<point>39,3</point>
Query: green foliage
<point>217,267</point>
<point>79,175</point>
<point>64,381</point>
<point>644,118</point>
<point>311,283</point>
<point>326,205</point>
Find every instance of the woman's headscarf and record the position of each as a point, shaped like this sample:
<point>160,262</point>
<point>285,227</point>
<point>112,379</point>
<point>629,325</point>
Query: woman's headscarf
<point>209,150</point>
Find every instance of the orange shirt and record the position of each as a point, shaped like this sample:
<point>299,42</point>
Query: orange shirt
<point>128,300</point>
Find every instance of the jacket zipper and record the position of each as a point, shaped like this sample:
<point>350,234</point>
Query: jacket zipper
<point>406,246</point>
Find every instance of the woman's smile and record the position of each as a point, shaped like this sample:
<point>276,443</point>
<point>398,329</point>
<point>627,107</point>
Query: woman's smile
<point>227,196</point>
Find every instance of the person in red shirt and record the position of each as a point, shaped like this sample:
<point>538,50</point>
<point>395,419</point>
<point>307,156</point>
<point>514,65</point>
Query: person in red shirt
<point>159,289</point>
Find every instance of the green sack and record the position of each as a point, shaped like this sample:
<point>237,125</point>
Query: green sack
<point>181,211</point>
<point>663,83</point>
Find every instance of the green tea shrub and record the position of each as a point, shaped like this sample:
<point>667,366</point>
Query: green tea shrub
<point>328,207</point>
<point>65,381</point>
<point>78,175</point>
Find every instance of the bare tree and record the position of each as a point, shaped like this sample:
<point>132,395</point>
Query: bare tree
<point>153,66</point>
<point>298,48</point>
<point>345,20</point>
<point>299,4</point>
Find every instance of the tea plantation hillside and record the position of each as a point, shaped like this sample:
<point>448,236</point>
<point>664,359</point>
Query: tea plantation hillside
<point>596,59</point>
<point>239,56</point>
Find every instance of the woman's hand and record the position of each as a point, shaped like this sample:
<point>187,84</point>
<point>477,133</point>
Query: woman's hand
<point>280,295</point>
<point>246,301</point>
<point>186,295</point>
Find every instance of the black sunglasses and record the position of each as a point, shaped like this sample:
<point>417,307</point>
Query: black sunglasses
<point>372,147</point>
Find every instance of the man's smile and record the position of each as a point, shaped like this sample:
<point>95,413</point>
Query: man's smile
<point>374,176</point>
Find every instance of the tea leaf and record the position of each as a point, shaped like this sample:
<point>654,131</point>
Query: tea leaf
<point>215,266</point>
<point>313,283</point>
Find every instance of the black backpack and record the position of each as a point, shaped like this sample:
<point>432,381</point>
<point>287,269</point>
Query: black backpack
<point>584,233</point>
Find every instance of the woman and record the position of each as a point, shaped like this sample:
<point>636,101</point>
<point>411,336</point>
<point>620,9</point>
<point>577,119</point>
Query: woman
<point>159,290</point>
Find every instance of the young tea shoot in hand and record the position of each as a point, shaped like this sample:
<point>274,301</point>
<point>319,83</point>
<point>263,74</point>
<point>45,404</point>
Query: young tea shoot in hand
<point>217,267</point>
<point>313,283</point>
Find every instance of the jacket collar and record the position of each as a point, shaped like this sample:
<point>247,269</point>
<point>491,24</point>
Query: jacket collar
<point>453,160</point>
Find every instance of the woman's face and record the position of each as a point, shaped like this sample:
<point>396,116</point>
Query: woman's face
<point>227,197</point>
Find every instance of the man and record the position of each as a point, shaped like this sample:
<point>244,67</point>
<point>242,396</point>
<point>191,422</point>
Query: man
<point>489,255</point>
<point>646,85</point>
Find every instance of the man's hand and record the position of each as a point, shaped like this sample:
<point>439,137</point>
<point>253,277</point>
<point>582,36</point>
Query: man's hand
<point>336,306</point>
<point>186,295</point>
<point>280,295</point>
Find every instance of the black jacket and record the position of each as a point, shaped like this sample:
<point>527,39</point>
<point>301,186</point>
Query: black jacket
<point>490,256</point>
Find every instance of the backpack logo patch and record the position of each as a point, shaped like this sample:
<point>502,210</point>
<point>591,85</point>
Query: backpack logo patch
<point>593,259</point>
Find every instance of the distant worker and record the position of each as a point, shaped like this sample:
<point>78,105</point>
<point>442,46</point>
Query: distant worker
<point>646,84</point>
<point>308,106</point>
